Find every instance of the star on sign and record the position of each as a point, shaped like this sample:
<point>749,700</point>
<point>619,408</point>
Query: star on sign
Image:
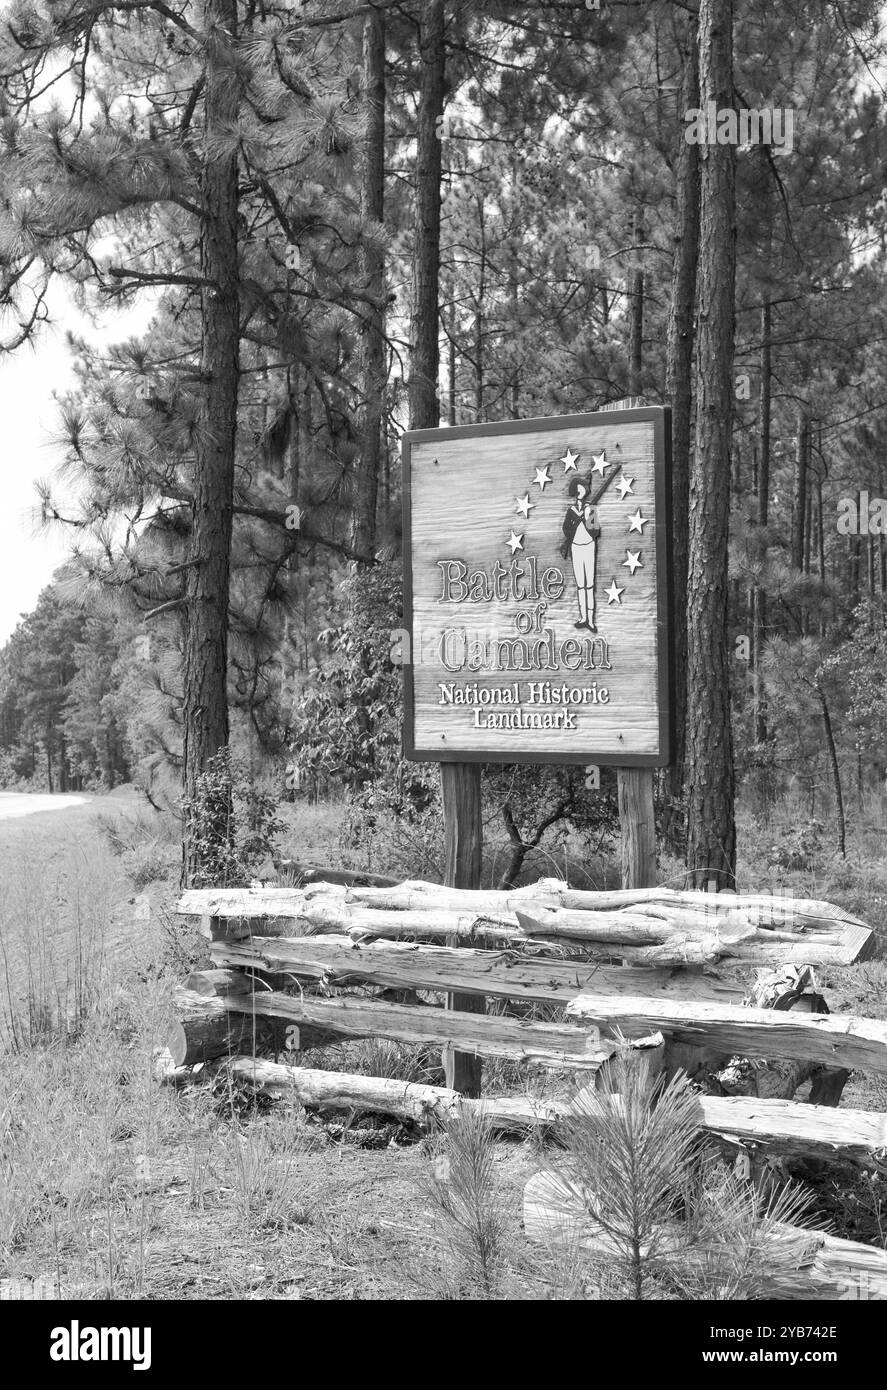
<point>569,461</point>
<point>516,542</point>
<point>634,560</point>
<point>638,522</point>
<point>542,477</point>
<point>524,505</point>
<point>614,592</point>
<point>600,462</point>
<point>623,486</point>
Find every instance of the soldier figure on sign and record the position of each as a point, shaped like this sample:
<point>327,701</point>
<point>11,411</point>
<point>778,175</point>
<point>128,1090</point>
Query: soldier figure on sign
<point>581,534</point>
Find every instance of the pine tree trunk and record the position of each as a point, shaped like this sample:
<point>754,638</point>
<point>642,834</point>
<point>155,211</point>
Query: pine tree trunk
<point>460,782</point>
<point>424,359</point>
<point>636,315</point>
<point>799,508</point>
<point>820,530</point>
<point>372,265</point>
<point>836,772</point>
<point>679,391</point>
<point>711,838</point>
<point>294,450</point>
<point>451,364</point>
<point>205,715</point>
<point>479,364</point>
<point>760,595</point>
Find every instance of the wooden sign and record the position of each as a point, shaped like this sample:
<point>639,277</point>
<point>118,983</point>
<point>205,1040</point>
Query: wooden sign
<point>537,590</point>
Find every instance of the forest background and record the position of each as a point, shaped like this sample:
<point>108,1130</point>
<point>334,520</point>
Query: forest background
<point>357,218</point>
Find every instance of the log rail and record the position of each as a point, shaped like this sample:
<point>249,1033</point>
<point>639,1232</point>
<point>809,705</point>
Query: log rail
<point>624,968</point>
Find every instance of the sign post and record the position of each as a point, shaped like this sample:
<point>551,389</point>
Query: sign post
<point>537,592</point>
<point>463,836</point>
<point>638,826</point>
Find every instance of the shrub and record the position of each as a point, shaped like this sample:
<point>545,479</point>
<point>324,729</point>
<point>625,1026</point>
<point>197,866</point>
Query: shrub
<point>232,825</point>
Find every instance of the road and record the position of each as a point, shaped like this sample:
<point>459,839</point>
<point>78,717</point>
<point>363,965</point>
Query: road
<point>16,804</point>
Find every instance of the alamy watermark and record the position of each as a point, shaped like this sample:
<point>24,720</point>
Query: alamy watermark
<point>713,125</point>
<point>862,515</point>
<point>76,1343</point>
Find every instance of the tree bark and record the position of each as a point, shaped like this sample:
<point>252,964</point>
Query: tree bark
<point>424,360</point>
<point>371,367</point>
<point>711,839</point>
<point>679,390</point>
<point>763,781</point>
<point>460,782</point>
<point>636,319</point>
<point>205,715</point>
<point>799,505</point>
<point>836,771</point>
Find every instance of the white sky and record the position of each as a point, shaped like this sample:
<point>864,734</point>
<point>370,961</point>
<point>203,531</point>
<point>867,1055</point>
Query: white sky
<point>28,424</point>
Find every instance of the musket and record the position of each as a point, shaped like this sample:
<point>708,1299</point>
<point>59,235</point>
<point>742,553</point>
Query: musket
<point>603,487</point>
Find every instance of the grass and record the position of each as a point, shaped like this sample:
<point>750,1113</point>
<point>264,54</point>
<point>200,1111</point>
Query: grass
<point>114,1186</point>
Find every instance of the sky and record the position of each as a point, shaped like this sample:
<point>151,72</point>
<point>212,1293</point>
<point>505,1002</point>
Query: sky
<point>28,426</point>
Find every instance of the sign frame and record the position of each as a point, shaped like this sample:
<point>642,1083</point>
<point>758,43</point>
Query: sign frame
<point>660,417</point>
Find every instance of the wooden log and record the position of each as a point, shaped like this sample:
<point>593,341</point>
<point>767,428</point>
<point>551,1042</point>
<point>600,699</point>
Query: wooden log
<point>214,982</point>
<point>422,1106</point>
<point>785,988</point>
<point>616,928</point>
<point>538,1044</point>
<point>802,911</point>
<point>783,1128</point>
<point>805,1264</point>
<point>828,1086</point>
<point>677,927</point>
<point>206,1028</point>
<point>760,909</point>
<point>855,944</point>
<point>829,1039</point>
<point>679,949</point>
<point>409,896</point>
<point>778,1127</point>
<point>331,916</point>
<point>421,896</point>
<point>210,983</point>
<point>351,878</point>
<point>504,974</point>
<point>501,974</point>
<point>797,1130</point>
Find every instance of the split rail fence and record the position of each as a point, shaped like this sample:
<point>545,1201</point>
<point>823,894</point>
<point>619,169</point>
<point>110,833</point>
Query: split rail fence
<point>719,984</point>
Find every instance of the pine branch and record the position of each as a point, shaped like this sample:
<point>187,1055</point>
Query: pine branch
<point>147,277</point>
